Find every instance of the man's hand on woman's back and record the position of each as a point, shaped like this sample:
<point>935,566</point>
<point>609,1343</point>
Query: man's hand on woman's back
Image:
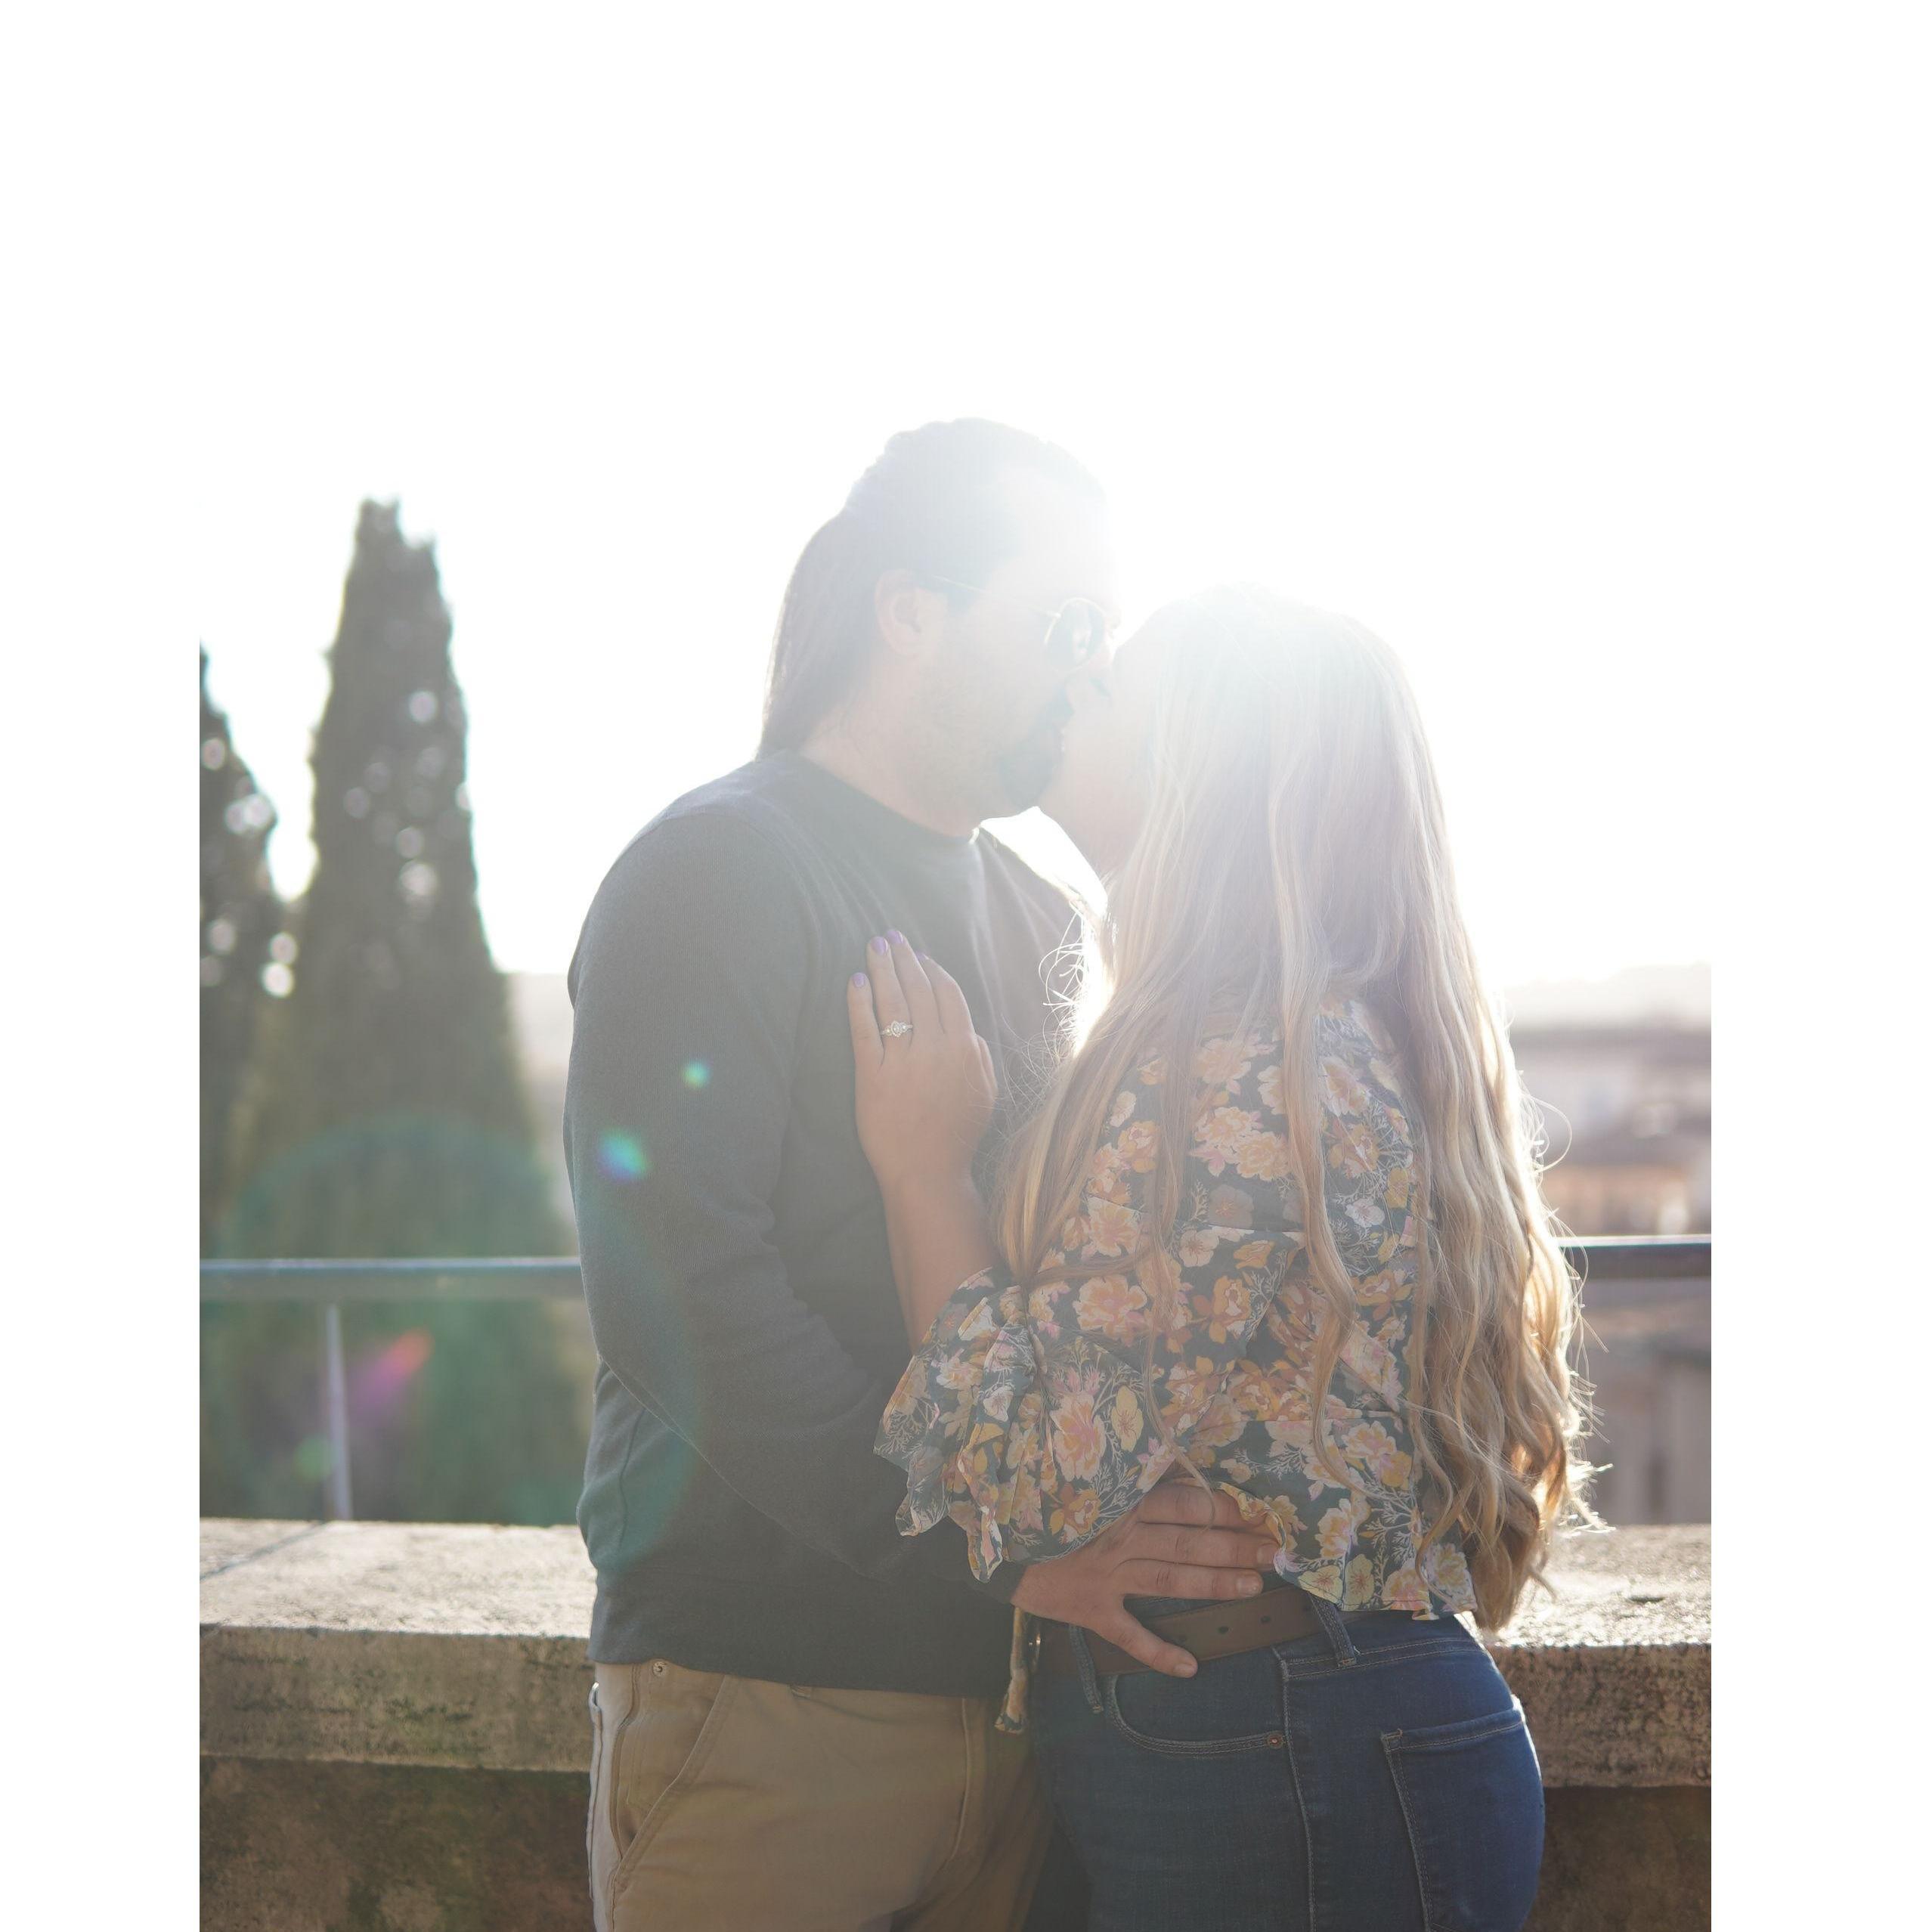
<point>1179,1542</point>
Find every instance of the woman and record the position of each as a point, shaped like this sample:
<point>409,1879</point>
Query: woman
<point>1281,1007</point>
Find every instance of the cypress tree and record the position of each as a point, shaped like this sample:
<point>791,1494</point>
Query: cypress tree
<point>390,1118</point>
<point>241,917</point>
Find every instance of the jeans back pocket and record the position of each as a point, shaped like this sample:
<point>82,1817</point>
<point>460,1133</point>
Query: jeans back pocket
<point>1471,1798</point>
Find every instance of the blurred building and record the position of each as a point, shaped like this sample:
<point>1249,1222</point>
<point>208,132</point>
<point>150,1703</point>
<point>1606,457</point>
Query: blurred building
<point>1647,1352</point>
<point>1620,1070</point>
<point>1627,1119</point>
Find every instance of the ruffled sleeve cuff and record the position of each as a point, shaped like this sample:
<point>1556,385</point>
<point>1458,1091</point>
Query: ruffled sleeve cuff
<point>964,1423</point>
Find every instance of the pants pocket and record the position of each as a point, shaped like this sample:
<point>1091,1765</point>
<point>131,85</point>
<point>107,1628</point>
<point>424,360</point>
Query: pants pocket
<point>657,1751</point>
<point>1211,1715</point>
<point>1471,1798</point>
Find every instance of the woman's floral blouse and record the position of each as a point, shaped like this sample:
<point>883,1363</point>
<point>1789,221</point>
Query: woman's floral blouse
<point>1025,1414</point>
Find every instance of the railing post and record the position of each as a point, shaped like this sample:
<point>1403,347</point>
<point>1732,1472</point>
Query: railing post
<point>335,1398</point>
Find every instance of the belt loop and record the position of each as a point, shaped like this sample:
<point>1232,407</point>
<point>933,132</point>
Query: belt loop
<point>1083,1659</point>
<point>1336,1632</point>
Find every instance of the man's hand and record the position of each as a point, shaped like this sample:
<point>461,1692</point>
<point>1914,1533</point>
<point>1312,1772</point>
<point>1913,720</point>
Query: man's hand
<point>1178,1542</point>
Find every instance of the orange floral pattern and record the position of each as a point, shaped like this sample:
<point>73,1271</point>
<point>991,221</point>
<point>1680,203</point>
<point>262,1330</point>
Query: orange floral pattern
<point>1027,1413</point>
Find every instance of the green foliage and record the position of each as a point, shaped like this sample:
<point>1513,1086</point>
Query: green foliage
<point>240,918</point>
<point>387,1117</point>
<point>395,1121</point>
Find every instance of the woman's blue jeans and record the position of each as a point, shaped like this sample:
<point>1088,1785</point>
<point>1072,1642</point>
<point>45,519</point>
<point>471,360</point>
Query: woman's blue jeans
<point>1375,1776</point>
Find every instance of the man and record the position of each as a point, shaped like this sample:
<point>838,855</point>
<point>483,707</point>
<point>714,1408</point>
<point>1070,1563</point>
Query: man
<point>794,1712</point>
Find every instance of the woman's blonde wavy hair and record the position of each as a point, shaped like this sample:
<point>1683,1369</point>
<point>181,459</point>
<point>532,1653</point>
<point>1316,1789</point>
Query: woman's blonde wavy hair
<point>1293,850</point>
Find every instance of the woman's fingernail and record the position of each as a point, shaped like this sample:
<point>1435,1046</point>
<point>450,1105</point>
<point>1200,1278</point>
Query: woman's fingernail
<point>878,945</point>
<point>897,938</point>
<point>1188,1669</point>
<point>1247,1586</point>
<point>859,980</point>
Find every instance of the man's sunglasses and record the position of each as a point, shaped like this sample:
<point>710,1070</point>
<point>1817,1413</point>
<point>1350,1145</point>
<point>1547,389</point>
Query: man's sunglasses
<point>1074,632</point>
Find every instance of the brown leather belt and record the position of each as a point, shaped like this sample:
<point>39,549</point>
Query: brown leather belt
<point>1211,1630</point>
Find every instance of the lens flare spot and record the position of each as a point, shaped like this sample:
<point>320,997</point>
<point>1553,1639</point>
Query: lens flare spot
<point>378,1381</point>
<point>405,1354</point>
<point>622,1157</point>
<point>696,1074</point>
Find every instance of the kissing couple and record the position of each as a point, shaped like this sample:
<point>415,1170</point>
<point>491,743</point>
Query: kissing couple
<point>1065,1374</point>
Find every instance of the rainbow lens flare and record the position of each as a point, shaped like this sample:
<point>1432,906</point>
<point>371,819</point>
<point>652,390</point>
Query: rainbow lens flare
<point>378,1381</point>
<point>621,1157</point>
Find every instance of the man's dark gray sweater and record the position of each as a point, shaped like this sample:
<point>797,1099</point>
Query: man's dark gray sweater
<point>734,1243</point>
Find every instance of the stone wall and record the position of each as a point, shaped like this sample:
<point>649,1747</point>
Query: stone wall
<point>395,1736</point>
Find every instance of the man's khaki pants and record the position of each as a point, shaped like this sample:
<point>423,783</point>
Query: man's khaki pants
<point>733,1805</point>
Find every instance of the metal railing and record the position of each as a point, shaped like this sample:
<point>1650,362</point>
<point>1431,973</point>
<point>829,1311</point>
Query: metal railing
<point>1632,1268</point>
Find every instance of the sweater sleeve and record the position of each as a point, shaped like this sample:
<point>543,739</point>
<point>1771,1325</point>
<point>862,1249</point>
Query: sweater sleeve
<point>1027,1415</point>
<point>687,985</point>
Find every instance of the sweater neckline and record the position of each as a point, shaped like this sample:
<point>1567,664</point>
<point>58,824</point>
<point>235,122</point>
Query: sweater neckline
<point>877,822</point>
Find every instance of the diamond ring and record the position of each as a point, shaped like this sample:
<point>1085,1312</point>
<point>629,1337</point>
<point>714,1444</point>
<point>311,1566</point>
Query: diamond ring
<point>898,1030</point>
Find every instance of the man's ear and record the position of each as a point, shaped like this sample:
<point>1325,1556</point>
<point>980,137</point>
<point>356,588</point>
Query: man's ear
<point>910,616</point>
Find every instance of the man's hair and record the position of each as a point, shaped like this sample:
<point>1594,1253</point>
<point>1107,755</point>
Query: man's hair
<point>931,504</point>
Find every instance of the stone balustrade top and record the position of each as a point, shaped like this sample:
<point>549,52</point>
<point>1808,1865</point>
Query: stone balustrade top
<point>463,1645</point>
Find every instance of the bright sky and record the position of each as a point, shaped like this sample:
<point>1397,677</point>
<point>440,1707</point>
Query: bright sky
<point>619,308</point>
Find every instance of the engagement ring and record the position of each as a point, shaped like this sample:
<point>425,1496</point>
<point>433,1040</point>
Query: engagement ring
<point>898,1029</point>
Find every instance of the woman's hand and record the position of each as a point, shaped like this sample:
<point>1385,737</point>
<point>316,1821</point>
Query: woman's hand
<point>925,1096</point>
